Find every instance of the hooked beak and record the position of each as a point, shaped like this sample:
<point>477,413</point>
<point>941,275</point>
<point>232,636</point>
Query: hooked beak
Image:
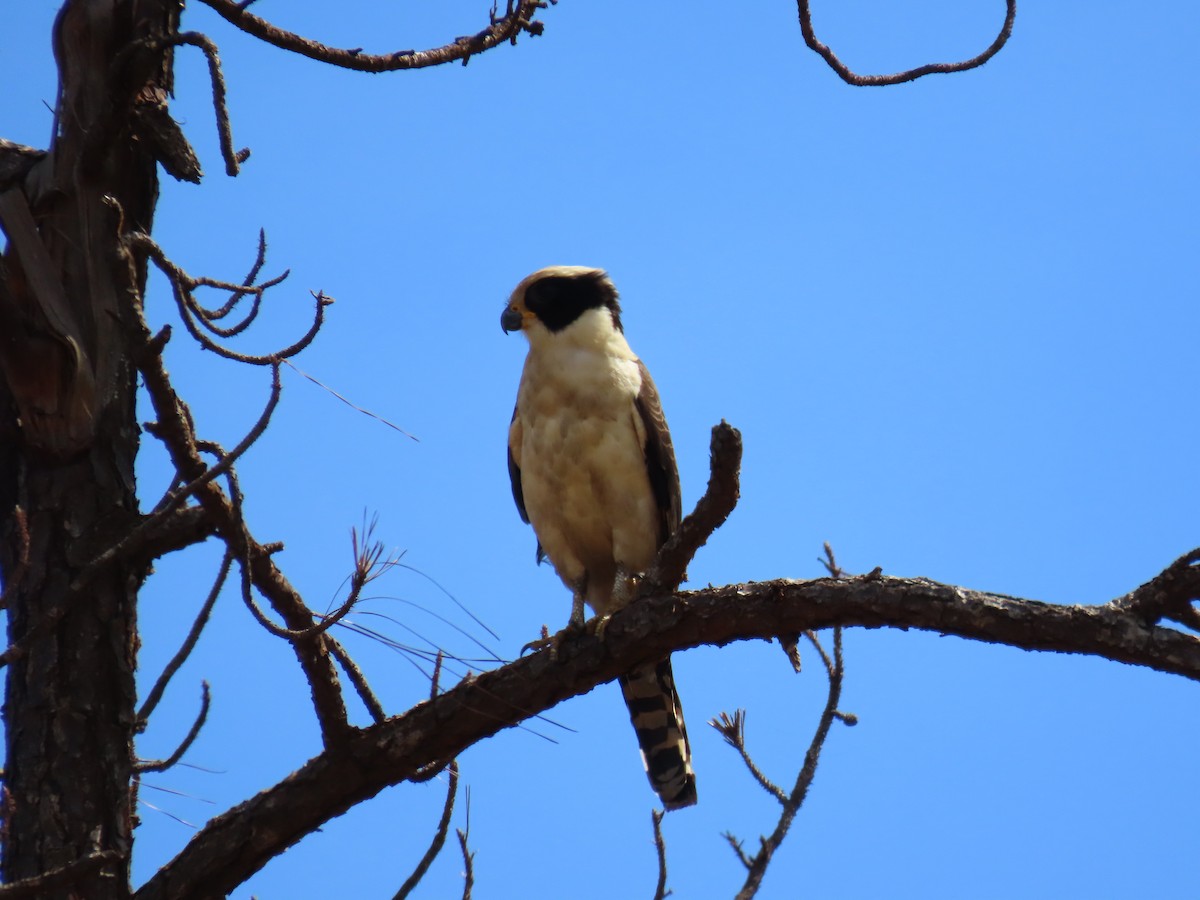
<point>511,319</point>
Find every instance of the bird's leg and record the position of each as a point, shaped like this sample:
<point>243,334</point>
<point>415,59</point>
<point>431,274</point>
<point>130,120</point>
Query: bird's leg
<point>574,624</point>
<point>624,588</point>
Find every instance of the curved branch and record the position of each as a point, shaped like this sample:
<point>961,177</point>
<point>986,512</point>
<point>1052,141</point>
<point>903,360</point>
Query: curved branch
<point>161,765</point>
<point>517,18</point>
<point>231,847</point>
<point>843,71</point>
<point>439,837</point>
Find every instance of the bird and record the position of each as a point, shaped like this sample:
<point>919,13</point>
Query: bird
<point>593,471</point>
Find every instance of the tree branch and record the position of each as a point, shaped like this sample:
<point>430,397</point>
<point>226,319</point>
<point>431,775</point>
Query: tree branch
<point>439,838</point>
<point>517,18</point>
<point>161,765</point>
<point>810,38</point>
<point>231,847</point>
<point>791,803</point>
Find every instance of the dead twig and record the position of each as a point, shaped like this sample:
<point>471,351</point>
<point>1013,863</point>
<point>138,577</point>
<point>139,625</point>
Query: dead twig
<point>162,765</point>
<point>468,856</point>
<point>720,497</point>
<point>757,865</point>
<point>518,18</point>
<point>439,837</point>
<point>357,679</point>
<point>733,729</point>
<point>852,78</point>
<point>185,650</point>
<point>660,848</point>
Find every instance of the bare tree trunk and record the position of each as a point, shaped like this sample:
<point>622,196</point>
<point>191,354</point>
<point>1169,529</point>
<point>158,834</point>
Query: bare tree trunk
<point>66,293</point>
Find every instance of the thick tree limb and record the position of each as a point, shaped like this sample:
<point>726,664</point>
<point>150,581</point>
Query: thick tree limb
<point>238,843</point>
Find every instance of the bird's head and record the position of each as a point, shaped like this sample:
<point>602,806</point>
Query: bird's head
<point>553,298</point>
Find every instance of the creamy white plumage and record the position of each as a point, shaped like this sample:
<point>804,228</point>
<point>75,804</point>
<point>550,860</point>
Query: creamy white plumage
<point>593,470</point>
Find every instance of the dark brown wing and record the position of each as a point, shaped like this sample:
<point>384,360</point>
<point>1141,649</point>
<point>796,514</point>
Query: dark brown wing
<point>514,471</point>
<point>660,456</point>
<point>514,476</point>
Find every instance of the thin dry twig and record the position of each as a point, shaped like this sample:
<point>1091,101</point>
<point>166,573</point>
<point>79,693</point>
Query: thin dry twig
<point>757,865</point>
<point>185,650</point>
<point>468,856</point>
<point>437,672</point>
<point>660,848</point>
<point>852,78</point>
<point>733,729</point>
<point>439,837</point>
<point>369,564</point>
<point>162,765</point>
<point>518,18</point>
<point>220,312</point>
<point>357,679</point>
<point>195,317</point>
<point>830,564</point>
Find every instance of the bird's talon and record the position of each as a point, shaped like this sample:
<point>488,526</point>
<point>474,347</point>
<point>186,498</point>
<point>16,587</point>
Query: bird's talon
<point>601,626</point>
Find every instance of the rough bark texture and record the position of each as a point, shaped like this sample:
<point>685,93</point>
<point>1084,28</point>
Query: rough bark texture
<point>66,291</point>
<point>234,845</point>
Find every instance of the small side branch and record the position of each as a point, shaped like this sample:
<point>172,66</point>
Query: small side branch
<point>162,765</point>
<point>720,497</point>
<point>185,650</point>
<point>357,679</point>
<point>468,863</point>
<point>733,729</point>
<point>757,865</point>
<point>660,848</point>
<point>196,318</point>
<point>1168,595</point>
<point>853,78</point>
<point>518,18</point>
<point>439,838</point>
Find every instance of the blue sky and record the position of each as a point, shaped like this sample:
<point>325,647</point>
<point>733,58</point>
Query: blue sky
<point>956,322</point>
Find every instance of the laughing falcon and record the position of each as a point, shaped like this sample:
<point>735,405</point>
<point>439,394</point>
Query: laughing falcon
<point>593,471</point>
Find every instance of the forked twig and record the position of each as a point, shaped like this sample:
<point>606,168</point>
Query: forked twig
<point>732,729</point>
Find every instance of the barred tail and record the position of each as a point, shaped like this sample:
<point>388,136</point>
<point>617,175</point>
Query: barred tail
<point>658,720</point>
